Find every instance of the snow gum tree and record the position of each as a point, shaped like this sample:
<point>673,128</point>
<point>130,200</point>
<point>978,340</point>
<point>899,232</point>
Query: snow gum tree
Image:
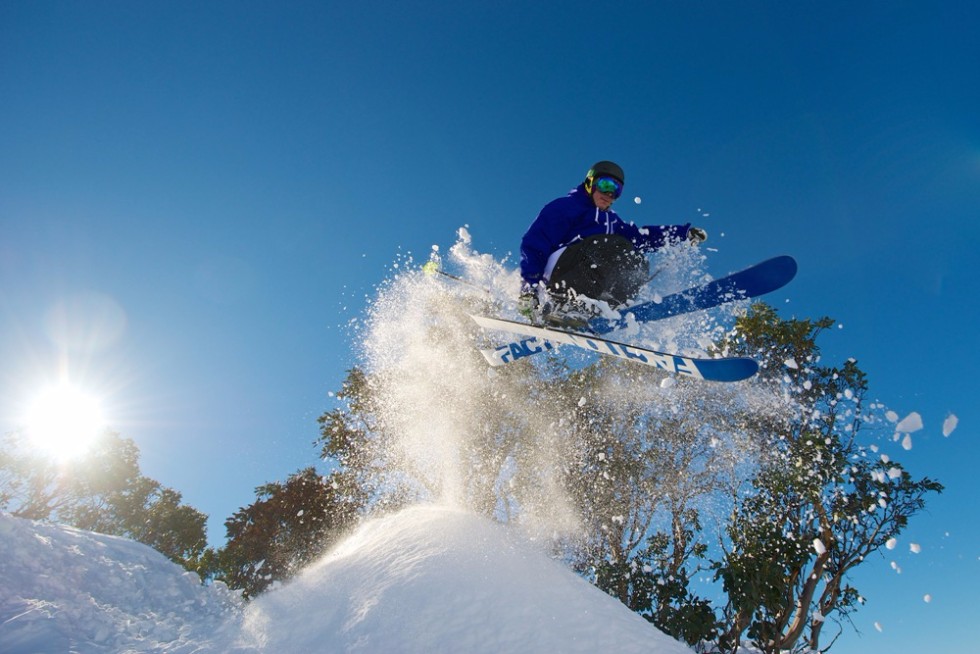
<point>290,524</point>
<point>102,490</point>
<point>820,501</point>
<point>650,450</point>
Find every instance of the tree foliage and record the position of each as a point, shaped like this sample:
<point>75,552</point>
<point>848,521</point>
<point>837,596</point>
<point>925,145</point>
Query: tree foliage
<point>289,525</point>
<point>644,466</point>
<point>820,501</point>
<point>103,491</point>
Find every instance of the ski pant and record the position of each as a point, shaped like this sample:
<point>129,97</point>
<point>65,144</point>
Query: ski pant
<point>603,267</point>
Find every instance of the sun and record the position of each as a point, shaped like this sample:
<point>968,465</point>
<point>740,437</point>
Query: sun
<point>64,421</point>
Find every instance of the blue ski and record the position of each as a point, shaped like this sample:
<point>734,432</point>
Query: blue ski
<point>541,338</point>
<point>754,281</point>
<point>762,278</point>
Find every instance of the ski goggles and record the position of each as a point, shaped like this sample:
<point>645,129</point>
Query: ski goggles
<point>609,185</point>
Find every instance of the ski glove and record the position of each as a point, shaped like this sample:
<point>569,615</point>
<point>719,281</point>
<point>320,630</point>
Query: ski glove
<point>527,304</point>
<point>696,235</point>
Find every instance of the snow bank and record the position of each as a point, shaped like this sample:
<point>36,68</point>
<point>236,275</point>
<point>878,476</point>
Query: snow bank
<point>433,579</point>
<point>66,590</point>
<point>428,579</point>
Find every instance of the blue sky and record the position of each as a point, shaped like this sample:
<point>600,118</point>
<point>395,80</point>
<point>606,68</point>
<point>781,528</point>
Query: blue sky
<point>209,192</point>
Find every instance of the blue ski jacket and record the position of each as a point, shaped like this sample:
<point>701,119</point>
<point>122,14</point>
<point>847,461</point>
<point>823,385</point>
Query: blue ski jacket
<point>574,217</point>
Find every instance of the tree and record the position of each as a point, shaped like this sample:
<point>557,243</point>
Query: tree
<point>36,487</point>
<point>458,441</point>
<point>155,515</point>
<point>289,525</point>
<point>819,503</point>
<point>102,491</point>
<point>646,460</point>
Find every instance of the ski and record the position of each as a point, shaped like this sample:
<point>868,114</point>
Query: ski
<point>540,339</point>
<point>762,278</point>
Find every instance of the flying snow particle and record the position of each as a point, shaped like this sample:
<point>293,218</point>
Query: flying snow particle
<point>818,546</point>
<point>878,626</point>
<point>638,199</point>
<point>907,442</point>
<point>910,423</point>
<point>891,543</point>
<point>927,598</point>
<point>915,548</point>
<point>791,364</point>
<point>581,401</point>
<point>892,416</point>
<point>894,473</point>
<point>949,424</point>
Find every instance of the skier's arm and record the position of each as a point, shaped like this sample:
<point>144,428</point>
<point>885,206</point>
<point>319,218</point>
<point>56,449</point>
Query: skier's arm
<point>541,239</point>
<point>653,237</point>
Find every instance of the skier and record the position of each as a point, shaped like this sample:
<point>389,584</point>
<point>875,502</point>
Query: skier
<point>579,246</point>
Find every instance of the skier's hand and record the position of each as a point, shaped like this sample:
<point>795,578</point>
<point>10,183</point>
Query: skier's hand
<point>696,235</point>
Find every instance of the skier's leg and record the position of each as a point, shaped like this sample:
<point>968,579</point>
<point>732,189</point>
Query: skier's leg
<point>625,280</point>
<point>603,267</point>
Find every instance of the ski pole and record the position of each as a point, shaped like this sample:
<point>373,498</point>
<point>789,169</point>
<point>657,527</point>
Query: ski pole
<point>432,268</point>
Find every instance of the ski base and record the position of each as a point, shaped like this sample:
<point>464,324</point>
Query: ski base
<point>756,280</point>
<point>762,278</point>
<point>540,339</point>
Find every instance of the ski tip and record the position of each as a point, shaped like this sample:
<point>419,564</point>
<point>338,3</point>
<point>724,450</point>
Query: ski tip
<point>786,265</point>
<point>728,370</point>
<point>747,368</point>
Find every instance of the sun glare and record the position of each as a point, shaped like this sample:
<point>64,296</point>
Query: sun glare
<point>64,421</point>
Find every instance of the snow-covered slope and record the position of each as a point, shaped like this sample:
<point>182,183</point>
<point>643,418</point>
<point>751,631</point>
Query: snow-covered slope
<point>428,579</point>
<point>64,590</point>
<point>432,579</point>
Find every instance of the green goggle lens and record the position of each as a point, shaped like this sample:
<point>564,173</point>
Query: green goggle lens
<point>608,185</point>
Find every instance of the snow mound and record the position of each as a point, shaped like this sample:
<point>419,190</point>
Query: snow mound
<point>66,590</point>
<point>435,579</point>
<point>428,579</point>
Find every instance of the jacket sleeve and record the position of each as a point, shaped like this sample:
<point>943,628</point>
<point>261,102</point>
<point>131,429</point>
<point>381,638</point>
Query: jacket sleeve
<point>541,239</point>
<point>652,237</point>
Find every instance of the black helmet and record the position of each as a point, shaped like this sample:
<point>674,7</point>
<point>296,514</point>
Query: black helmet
<point>601,168</point>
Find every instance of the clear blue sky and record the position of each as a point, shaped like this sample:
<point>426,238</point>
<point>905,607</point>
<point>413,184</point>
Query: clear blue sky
<point>209,191</point>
